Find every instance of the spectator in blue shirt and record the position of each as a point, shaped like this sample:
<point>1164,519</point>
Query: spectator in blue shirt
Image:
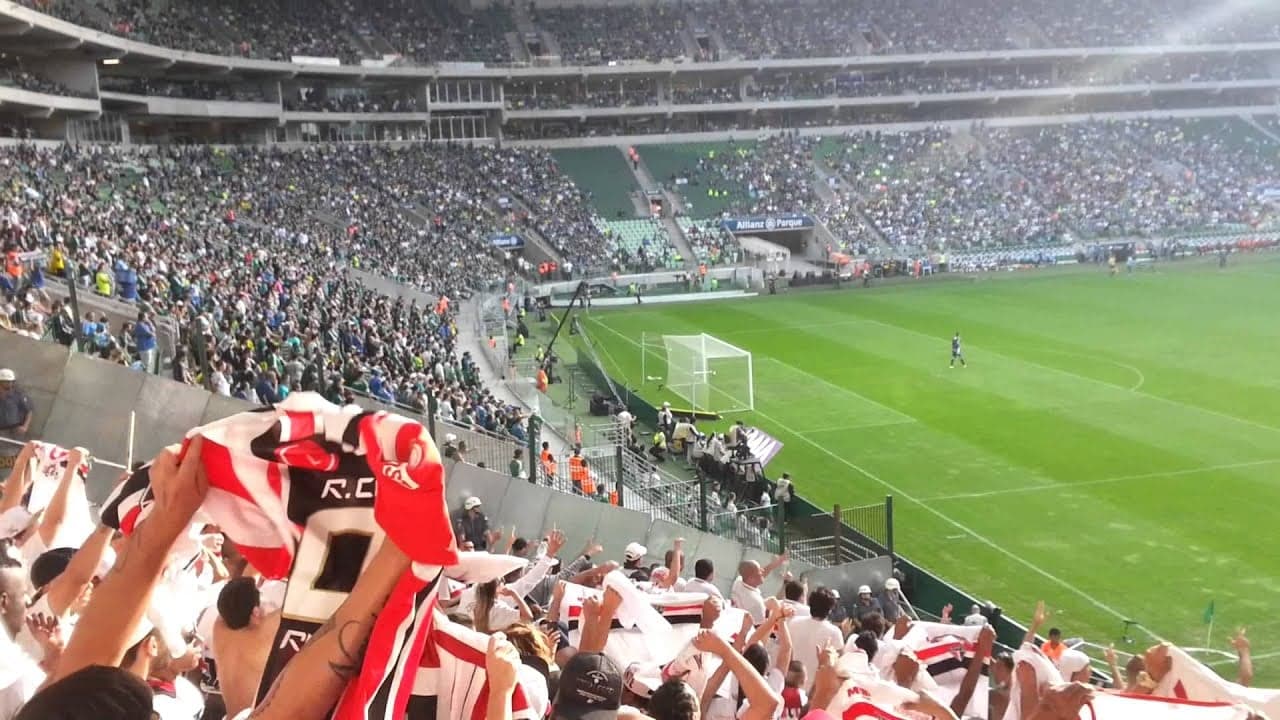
<point>126,282</point>
<point>144,334</point>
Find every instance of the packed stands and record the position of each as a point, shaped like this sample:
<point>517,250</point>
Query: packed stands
<point>434,31</point>
<point>770,176</point>
<point>615,33</point>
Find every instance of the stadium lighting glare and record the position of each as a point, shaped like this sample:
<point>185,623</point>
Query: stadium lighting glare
<point>111,61</point>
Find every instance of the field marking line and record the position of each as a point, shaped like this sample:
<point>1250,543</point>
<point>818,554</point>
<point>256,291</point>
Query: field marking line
<point>1142,379</point>
<point>1067,373</point>
<point>941,516</point>
<point>898,413</point>
<point>1100,481</point>
<point>859,426</point>
<point>1232,660</point>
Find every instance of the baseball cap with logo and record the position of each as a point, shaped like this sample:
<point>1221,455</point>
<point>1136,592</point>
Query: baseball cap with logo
<point>7,375</point>
<point>471,503</point>
<point>590,689</point>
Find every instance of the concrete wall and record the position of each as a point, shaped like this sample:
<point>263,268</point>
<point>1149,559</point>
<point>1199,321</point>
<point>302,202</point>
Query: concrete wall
<point>533,510</point>
<point>80,400</point>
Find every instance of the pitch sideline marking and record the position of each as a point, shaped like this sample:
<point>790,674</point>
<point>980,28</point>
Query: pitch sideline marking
<point>942,516</point>
<point>1101,481</point>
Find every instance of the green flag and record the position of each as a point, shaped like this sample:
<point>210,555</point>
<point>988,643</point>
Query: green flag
<point>1208,614</point>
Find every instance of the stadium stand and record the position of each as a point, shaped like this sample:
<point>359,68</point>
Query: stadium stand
<point>603,173</point>
<point>642,244</point>
<point>614,33</point>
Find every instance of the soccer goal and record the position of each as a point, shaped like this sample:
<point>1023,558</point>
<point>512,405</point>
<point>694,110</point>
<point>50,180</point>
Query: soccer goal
<point>709,373</point>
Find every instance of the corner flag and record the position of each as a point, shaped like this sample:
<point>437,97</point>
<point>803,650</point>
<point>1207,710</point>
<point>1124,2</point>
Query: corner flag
<point>1208,614</point>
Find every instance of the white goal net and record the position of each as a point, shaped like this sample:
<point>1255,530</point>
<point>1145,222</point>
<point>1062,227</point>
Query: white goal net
<point>710,373</point>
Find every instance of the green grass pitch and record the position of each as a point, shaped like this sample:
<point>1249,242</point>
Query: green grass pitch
<point>1113,446</point>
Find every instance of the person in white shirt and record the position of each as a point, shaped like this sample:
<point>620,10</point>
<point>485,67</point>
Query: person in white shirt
<point>745,592</point>
<point>701,582</point>
<point>975,616</point>
<point>809,635</point>
<point>20,676</point>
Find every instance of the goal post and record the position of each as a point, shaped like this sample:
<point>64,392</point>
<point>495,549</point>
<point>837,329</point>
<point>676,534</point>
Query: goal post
<point>711,374</point>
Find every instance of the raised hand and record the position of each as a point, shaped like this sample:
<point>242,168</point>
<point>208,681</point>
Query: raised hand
<point>709,642</point>
<point>493,537</point>
<point>501,663</point>
<point>1041,615</point>
<point>555,541</point>
<point>711,610</point>
<point>1240,641</point>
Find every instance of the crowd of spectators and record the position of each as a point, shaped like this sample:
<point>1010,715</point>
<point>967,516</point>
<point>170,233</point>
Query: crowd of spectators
<point>430,31</point>
<point>251,250</point>
<point>768,177</point>
<point>435,31</point>
<point>149,610</point>
<point>195,90</point>
<point>602,35</point>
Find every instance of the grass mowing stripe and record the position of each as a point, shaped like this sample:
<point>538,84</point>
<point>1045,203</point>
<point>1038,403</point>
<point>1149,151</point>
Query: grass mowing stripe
<point>939,514</point>
<point>1067,373</point>
<point>1102,481</point>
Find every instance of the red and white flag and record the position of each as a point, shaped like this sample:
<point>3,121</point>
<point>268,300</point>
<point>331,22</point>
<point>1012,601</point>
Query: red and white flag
<point>307,490</point>
<point>1190,679</point>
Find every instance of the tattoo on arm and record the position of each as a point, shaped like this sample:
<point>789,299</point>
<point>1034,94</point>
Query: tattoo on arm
<point>351,652</point>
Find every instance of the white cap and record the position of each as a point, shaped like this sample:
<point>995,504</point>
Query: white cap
<point>891,584</point>
<point>13,521</point>
<point>666,404</point>
<point>450,437</point>
<point>6,375</point>
<point>1072,662</point>
<point>471,503</point>
<point>864,589</point>
<point>635,551</point>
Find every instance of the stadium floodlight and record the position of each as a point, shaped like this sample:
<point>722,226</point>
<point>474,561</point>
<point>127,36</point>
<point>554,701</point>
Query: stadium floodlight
<point>709,373</point>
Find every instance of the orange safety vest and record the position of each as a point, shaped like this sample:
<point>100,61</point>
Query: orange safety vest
<point>578,473</point>
<point>613,498</point>
<point>542,380</point>
<point>548,463</point>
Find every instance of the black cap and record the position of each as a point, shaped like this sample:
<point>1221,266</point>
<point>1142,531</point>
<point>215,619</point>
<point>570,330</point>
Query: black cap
<point>590,689</point>
<point>49,566</point>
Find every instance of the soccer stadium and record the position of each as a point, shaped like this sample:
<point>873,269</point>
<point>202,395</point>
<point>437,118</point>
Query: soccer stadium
<point>639,359</point>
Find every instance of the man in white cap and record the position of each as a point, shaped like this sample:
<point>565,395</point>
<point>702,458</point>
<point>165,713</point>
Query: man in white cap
<point>890,605</point>
<point>666,419</point>
<point>473,526</point>
<point>866,604</point>
<point>15,417</point>
<point>633,562</point>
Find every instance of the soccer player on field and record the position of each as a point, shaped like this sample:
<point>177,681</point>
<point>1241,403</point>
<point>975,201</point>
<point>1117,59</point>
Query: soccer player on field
<point>956,352</point>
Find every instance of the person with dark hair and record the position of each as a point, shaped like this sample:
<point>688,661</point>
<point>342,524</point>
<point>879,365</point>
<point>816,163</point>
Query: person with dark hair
<point>242,637</point>
<point>94,692</point>
<point>813,633</point>
<point>674,699</point>
<point>867,643</point>
<point>704,572</point>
